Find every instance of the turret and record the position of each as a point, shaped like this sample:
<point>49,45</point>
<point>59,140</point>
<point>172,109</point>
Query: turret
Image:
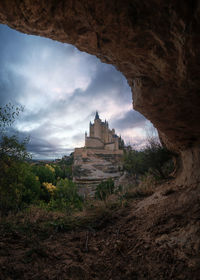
<point>97,116</point>
<point>106,123</point>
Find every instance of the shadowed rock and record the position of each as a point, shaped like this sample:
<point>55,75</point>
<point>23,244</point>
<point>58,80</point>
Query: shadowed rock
<point>154,43</point>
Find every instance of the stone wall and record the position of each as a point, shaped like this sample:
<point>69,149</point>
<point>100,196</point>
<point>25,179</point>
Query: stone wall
<point>110,146</point>
<point>93,142</point>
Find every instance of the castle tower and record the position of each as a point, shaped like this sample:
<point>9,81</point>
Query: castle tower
<point>97,116</point>
<point>100,136</point>
<point>91,130</point>
<point>97,126</point>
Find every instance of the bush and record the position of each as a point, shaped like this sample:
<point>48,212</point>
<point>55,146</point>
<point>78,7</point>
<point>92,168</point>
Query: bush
<point>104,189</point>
<point>134,162</point>
<point>154,159</point>
<point>66,197</point>
<point>45,173</point>
<point>156,156</point>
<point>18,186</point>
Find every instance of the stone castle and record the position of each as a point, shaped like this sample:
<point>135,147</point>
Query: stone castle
<point>100,158</point>
<point>101,137</point>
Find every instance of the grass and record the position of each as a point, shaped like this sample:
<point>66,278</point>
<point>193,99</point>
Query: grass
<point>37,222</point>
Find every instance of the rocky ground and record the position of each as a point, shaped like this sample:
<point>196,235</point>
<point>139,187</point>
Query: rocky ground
<point>153,238</point>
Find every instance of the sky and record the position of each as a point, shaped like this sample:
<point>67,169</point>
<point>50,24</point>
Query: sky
<point>61,88</point>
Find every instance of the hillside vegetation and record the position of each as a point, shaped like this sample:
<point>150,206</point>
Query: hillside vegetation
<point>147,228</point>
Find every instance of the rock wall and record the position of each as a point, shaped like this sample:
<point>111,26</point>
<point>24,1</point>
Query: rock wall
<point>92,166</point>
<point>154,43</point>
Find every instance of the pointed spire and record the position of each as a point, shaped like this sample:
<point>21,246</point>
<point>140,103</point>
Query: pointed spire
<point>96,116</point>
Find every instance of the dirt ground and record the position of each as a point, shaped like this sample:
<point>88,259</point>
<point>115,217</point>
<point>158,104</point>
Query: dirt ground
<point>154,238</point>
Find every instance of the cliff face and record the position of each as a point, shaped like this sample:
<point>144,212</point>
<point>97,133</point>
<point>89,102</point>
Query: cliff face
<point>92,166</point>
<point>154,43</point>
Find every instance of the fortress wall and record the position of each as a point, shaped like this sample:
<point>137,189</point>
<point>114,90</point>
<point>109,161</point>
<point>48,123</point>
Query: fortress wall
<point>93,143</point>
<point>104,151</point>
<point>83,152</point>
<point>110,147</point>
<point>116,143</point>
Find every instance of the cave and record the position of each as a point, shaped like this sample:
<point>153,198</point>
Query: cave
<point>154,44</point>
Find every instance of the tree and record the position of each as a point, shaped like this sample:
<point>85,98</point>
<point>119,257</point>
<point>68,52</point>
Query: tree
<point>121,143</point>
<point>18,185</point>
<point>8,113</point>
<point>44,173</point>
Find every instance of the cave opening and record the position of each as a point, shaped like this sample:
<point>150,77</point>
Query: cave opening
<point>60,88</point>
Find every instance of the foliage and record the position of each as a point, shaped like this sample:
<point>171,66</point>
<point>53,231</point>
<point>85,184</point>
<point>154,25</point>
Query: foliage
<point>50,188</point>
<point>65,197</point>
<point>8,113</point>
<point>22,184</point>
<point>12,149</point>
<point>65,166</point>
<point>18,186</point>
<point>104,189</point>
<point>51,168</point>
<point>153,158</point>
<point>45,173</point>
<point>134,162</point>
<point>59,172</point>
<point>121,143</point>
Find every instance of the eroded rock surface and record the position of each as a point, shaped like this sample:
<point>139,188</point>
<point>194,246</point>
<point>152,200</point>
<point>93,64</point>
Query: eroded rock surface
<point>154,43</point>
<point>92,166</point>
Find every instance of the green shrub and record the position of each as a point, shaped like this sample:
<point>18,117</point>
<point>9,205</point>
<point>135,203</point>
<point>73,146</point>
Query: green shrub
<point>154,158</point>
<point>66,197</point>
<point>44,173</point>
<point>134,162</point>
<point>104,189</point>
<point>18,186</point>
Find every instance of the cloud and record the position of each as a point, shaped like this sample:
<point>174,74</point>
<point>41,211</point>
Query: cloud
<point>61,88</point>
<point>131,119</point>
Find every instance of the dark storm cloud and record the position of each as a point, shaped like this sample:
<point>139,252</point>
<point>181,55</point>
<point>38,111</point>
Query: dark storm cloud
<point>17,49</point>
<point>44,149</point>
<point>11,86</point>
<point>106,82</point>
<point>61,89</point>
<point>131,119</point>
